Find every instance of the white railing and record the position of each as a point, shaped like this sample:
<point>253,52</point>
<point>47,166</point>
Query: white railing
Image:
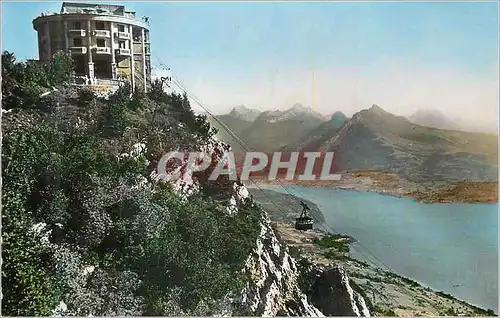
<point>102,50</point>
<point>85,80</point>
<point>78,50</point>
<point>107,81</point>
<point>102,33</point>
<point>123,51</point>
<point>123,35</point>
<point>78,32</point>
<point>92,11</point>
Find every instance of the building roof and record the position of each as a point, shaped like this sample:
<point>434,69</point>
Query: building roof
<point>117,13</point>
<point>79,7</point>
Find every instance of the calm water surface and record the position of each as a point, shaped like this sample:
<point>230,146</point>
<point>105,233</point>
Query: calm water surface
<point>448,247</point>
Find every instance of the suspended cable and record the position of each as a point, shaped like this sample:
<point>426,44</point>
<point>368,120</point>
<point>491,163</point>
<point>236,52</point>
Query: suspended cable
<point>325,226</point>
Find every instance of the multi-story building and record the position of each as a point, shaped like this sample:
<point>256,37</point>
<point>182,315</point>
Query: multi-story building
<point>106,42</point>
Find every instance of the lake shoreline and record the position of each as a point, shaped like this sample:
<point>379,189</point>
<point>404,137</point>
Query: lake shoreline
<point>397,287</point>
<point>389,184</point>
<point>387,292</point>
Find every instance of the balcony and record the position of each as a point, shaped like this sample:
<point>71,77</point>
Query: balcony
<point>107,81</point>
<point>102,50</point>
<point>137,48</point>
<point>122,51</point>
<point>77,32</point>
<point>78,50</point>
<point>123,35</point>
<point>102,33</point>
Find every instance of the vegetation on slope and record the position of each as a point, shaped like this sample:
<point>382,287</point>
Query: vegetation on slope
<point>82,222</point>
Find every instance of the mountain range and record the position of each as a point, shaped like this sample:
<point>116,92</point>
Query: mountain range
<point>268,130</point>
<point>244,113</point>
<point>371,139</point>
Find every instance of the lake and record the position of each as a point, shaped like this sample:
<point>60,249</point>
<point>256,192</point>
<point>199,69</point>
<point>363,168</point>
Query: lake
<point>448,247</point>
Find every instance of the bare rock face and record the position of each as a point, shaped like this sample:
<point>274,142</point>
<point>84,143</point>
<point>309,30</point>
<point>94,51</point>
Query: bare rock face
<point>273,289</point>
<point>277,286</point>
<point>331,292</point>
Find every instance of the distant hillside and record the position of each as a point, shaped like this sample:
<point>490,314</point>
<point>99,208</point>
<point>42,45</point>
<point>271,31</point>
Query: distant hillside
<point>435,119</point>
<point>338,118</point>
<point>270,130</point>
<point>371,139</point>
<point>376,139</point>
<point>318,136</point>
<point>432,118</point>
<point>244,113</point>
<point>235,124</point>
<point>297,111</point>
<point>265,135</point>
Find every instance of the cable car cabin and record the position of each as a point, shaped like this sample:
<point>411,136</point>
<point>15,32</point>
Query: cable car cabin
<point>304,223</point>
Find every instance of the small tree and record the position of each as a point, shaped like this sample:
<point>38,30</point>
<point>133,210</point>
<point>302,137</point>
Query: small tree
<point>24,82</point>
<point>60,68</point>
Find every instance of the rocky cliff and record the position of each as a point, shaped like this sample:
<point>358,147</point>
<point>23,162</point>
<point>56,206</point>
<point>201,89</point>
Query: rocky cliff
<point>273,287</point>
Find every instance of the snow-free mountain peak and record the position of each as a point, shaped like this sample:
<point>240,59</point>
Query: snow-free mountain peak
<point>244,113</point>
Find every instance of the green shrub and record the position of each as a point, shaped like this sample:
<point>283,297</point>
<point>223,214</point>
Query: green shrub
<point>23,83</point>
<point>86,97</point>
<point>336,242</point>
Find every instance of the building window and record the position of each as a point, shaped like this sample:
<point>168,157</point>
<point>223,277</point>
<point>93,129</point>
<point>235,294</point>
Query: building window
<point>77,41</point>
<point>121,28</point>
<point>122,44</point>
<point>77,25</point>
<point>99,25</point>
<point>136,34</point>
<point>79,63</point>
<point>101,43</point>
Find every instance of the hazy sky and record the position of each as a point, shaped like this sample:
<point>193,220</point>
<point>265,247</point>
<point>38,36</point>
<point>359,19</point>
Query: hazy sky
<point>401,56</point>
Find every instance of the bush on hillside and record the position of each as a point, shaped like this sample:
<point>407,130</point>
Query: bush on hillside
<point>24,82</point>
